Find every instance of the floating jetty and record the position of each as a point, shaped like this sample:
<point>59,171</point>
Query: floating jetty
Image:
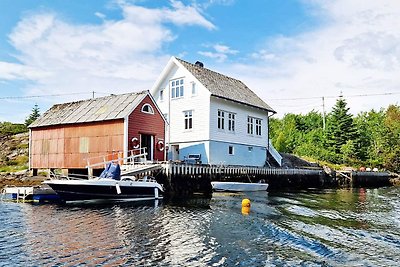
<point>39,194</point>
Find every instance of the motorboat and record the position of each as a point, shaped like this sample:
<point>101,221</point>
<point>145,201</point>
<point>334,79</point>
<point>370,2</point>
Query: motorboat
<point>238,186</point>
<point>127,188</point>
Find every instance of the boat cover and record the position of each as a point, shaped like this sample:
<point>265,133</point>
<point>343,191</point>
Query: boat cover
<point>112,171</point>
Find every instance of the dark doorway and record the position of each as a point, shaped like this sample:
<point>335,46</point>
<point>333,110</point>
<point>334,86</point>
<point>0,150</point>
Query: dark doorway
<point>146,141</point>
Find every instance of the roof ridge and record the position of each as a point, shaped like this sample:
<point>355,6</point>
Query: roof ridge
<point>204,68</point>
<point>101,97</point>
<point>224,86</point>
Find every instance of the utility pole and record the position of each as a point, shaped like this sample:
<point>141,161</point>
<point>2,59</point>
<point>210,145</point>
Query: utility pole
<point>93,94</point>
<point>323,113</point>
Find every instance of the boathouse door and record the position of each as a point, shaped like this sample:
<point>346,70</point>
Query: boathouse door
<point>147,141</point>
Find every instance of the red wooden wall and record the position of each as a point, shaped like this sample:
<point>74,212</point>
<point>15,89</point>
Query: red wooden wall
<point>151,124</point>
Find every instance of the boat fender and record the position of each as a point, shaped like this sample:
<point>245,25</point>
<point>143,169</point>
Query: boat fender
<point>160,145</point>
<point>135,142</point>
<point>118,188</point>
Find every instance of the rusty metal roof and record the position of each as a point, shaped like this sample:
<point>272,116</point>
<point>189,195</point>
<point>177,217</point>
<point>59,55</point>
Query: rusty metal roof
<point>225,87</point>
<point>96,109</point>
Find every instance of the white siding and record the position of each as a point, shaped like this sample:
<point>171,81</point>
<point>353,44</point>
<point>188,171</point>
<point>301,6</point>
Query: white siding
<point>199,104</point>
<point>240,135</point>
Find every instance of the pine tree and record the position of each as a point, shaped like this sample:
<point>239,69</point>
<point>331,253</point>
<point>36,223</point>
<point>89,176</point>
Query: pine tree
<point>341,126</point>
<point>33,116</point>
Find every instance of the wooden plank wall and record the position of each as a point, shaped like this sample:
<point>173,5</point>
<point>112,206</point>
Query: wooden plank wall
<point>151,124</point>
<point>68,146</point>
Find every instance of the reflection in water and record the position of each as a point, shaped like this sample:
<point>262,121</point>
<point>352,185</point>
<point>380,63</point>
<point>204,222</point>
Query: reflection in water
<point>331,227</point>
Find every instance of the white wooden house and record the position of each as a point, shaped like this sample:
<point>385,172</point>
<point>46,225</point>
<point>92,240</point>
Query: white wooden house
<point>212,116</point>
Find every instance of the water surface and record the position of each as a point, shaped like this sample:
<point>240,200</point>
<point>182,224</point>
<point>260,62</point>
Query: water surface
<point>349,227</point>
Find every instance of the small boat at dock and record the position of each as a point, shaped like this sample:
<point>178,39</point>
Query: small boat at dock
<point>29,194</point>
<point>128,188</point>
<point>238,186</point>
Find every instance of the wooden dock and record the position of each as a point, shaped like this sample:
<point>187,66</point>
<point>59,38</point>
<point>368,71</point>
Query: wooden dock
<point>186,179</point>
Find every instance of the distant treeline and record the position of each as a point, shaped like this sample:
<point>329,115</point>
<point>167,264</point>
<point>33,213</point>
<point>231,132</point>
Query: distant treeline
<point>370,139</point>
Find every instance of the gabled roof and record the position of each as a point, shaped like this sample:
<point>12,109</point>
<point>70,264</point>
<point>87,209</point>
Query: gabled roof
<point>96,109</point>
<point>225,87</point>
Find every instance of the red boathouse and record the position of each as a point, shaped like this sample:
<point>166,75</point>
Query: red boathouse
<point>69,134</point>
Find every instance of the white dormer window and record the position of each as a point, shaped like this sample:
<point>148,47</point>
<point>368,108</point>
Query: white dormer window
<point>147,108</point>
<point>177,88</point>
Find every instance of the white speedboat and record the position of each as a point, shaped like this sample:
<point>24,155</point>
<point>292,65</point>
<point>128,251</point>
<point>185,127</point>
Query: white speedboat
<point>238,186</point>
<point>127,189</point>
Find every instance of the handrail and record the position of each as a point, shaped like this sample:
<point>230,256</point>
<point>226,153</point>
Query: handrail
<point>118,159</point>
<point>275,154</point>
<point>116,155</point>
<point>129,159</point>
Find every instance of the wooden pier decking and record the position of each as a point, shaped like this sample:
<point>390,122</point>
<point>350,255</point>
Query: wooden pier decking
<point>185,179</point>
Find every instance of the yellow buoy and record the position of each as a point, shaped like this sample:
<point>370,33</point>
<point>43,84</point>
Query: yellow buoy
<point>245,206</point>
<point>246,202</point>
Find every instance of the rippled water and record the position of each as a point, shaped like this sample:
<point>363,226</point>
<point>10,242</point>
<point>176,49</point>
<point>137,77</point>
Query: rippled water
<point>358,227</point>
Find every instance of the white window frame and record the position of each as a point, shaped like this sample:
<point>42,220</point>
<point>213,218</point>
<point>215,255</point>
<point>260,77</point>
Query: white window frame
<point>161,95</point>
<point>177,88</point>
<point>188,120</point>
<point>221,119</point>
<point>250,125</point>
<point>231,122</point>
<point>150,111</point>
<point>258,126</point>
<point>194,89</point>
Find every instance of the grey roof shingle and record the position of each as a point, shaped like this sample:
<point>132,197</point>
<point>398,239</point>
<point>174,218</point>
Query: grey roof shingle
<point>225,87</point>
<point>96,109</point>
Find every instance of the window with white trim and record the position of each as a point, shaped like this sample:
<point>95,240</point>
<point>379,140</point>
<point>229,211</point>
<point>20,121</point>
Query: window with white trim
<point>194,89</point>
<point>147,108</point>
<point>161,94</point>
<point>221,119</point>
<point>250,125</point>
<point>231,122</point>
<point>177,88</point>
<point>231,150</point>
<point>188,119</point>
<point>258,126</point>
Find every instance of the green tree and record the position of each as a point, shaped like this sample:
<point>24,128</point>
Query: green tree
<point>392,151</point>
<point>33,116</point>
<point>340,126</point>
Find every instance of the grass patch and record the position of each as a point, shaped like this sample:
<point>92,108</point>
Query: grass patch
<point>23,146</point>
<point>15,168</point>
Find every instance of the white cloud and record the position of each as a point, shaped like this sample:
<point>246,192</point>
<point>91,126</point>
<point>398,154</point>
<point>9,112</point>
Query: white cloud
<point>356,51</point>
<point>220,52</point>
<point>12,71</point>
<point>113,56</point>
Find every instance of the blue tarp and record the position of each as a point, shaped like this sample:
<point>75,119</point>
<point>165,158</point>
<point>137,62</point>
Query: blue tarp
<point>112,171</point>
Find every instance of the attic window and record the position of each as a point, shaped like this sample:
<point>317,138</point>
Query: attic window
<point>147,108</point>
<point>177,88</point>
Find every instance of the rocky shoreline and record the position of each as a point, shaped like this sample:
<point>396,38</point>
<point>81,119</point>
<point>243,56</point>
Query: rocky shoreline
<point>20,179</point>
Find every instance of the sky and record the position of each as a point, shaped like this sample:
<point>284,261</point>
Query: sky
<point>297,55</point>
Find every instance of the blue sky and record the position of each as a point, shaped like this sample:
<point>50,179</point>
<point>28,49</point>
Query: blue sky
<point>291,53</point>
